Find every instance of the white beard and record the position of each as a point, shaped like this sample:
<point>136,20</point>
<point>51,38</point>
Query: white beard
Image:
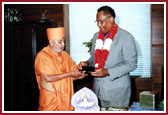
<point>58,50</point>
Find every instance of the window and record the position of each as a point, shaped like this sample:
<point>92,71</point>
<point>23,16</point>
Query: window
<point>134,18</point>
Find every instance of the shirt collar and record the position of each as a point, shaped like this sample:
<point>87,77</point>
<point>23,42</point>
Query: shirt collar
<point>106,34</point>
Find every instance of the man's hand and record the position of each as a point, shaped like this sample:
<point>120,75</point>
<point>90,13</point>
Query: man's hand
<point>82,76</point>
<point>77,75</point>
<point>82,63</point>
<point>100,72</point>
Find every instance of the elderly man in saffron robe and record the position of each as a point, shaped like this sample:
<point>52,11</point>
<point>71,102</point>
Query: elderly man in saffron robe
<point>55,72</point>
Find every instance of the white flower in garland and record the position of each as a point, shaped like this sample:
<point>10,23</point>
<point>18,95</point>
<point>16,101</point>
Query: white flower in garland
<point>107,44</point>
<point>99,44</point>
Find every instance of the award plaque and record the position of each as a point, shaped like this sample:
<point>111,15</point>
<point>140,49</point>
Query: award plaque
<point>87,69</point>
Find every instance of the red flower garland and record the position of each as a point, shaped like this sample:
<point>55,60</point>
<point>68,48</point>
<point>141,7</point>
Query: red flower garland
<point>101,54</point>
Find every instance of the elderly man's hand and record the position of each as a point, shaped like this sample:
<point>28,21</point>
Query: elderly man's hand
<point>100,72</point>
<point>82,76</point>
<point>77,75</point>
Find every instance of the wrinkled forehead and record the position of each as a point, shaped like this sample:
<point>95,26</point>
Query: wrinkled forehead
<point>59,39</point>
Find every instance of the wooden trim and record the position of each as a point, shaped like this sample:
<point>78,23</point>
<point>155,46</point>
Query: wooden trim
<point>157,49</point>
<point>158,45</point>
<point>66,25</point>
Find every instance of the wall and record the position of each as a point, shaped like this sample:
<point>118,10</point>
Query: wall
<point>156,82</point>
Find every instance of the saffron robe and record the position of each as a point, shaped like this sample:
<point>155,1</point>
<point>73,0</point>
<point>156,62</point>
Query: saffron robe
<point>48,62</point>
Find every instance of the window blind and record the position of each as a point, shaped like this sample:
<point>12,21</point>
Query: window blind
<point>135,18</point>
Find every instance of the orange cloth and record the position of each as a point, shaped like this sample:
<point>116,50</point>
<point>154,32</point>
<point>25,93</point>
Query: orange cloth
<point>50,63</point>
<point>55,33</point>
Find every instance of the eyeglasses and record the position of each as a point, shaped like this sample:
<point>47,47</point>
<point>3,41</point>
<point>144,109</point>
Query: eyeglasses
<point>101,21</point>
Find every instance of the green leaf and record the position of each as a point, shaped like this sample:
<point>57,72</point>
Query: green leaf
<point>161,105</point>
<point>88,44</point>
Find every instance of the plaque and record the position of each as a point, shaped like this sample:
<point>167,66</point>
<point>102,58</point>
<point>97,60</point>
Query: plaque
<point>87,69</point>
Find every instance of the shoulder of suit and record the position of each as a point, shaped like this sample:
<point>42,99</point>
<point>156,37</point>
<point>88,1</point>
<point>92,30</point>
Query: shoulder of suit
<point>95,36</point>
<point>122,31</point>
<point>124,34</point>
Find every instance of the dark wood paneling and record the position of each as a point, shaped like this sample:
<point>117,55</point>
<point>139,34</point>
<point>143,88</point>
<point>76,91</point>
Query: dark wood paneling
<point>157,24</point>
<point>32,12</point>
<point>157,50</point>
<point>157,62</point>
<point>139,85</point>
<point>22,41</point>
<point>17,45</point>
<point>20,94</point>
